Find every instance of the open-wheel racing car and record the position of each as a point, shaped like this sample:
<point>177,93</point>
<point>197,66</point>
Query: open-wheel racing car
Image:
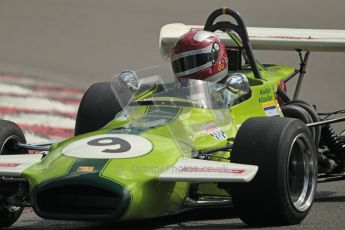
<point>148,145</point>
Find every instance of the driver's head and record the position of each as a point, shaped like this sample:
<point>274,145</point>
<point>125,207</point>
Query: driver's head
<point>199,55</point>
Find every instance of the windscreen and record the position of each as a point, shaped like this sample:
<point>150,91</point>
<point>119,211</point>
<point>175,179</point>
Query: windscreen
<point>188,93</point>
<point>158,86</point>
<point>182,109</point>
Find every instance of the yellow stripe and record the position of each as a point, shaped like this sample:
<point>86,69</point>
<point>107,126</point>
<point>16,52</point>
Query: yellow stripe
<point>268,104</point>
<point>224,10</point>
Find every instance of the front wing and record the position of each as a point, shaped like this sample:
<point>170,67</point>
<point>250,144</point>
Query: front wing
<point>14,165</point>
<point>194,170</point>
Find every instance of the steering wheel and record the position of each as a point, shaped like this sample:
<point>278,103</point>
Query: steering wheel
<point>224,25</point>
<point>239,28</point>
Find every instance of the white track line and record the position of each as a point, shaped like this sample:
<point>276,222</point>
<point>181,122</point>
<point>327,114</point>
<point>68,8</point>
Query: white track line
<point>33,103</point>
<point>41,119</point>
<point>34,138</point>
<point>36,104</point>
<point>23,81</point>
<point>12,89</point>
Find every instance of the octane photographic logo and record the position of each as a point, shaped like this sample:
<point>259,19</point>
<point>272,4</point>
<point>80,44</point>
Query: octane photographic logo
<point>43,110</point>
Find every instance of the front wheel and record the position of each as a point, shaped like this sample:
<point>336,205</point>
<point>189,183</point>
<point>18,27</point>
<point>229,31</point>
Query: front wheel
<point>10,134</point>
<point>283,190</point>
<point>99,106</point>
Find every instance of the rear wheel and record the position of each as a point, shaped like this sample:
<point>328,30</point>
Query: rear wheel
<point>283,190</point>
<point>10,134</point>
<point>99,106</point>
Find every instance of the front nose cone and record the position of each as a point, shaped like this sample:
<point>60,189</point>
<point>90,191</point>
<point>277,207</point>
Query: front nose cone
<point>81,197</point>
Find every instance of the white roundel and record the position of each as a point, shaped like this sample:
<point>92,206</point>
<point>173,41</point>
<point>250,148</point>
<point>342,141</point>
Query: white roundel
<point>108,146</point>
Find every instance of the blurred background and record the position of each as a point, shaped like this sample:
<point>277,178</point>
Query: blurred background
<point>73,43</point>
<point>77,42</point>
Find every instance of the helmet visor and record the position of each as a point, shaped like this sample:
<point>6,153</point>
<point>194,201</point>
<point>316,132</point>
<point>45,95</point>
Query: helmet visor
<point>191,62</point>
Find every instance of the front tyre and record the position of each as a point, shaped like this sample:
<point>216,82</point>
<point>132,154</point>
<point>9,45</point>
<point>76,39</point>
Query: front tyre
<point>99,106</point>
<point>10,134</point>
<point>283,190</point>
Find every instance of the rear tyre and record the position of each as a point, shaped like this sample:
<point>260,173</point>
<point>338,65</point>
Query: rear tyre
<point>306,112</point>
<point>99,106</point>
<point>283,190</point>
<point>342,134</point>
<point>10,134</point>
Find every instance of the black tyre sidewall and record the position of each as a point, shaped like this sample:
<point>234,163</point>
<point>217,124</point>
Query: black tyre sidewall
<point>266,142</point>
<point>8,129</point>
<point>99,106</point>
<point>8,218</point>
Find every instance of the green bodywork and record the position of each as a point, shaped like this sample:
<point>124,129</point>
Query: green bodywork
<point>135,179</point>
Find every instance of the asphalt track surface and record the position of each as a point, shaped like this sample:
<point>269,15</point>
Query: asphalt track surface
<point>75,43</point>
<point>326,213</point>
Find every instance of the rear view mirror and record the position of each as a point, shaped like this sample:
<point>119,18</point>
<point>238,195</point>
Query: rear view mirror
<point>237,82</point>
<point>129,79</point>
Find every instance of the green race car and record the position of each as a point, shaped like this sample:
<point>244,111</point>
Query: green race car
<point>147,145</point>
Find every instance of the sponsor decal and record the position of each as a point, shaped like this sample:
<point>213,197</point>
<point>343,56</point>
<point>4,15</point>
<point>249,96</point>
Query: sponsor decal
<point>265,91</point>
<point>212,170</point>
<point>219,135</point>
<point>109,146</point>
<point>215,131</point>
<point>265,95</point>
<point>9,165</point>
<point>270,109</point>
<point>86,169</point>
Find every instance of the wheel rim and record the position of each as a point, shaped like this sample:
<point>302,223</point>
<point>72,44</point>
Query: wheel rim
<point>6,146</point>
<point>11,208</point>
<point>8,207</point>
<point>302,173</point>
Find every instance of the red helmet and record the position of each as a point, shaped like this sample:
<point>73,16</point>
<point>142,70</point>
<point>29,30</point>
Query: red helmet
<point>199,55</point>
